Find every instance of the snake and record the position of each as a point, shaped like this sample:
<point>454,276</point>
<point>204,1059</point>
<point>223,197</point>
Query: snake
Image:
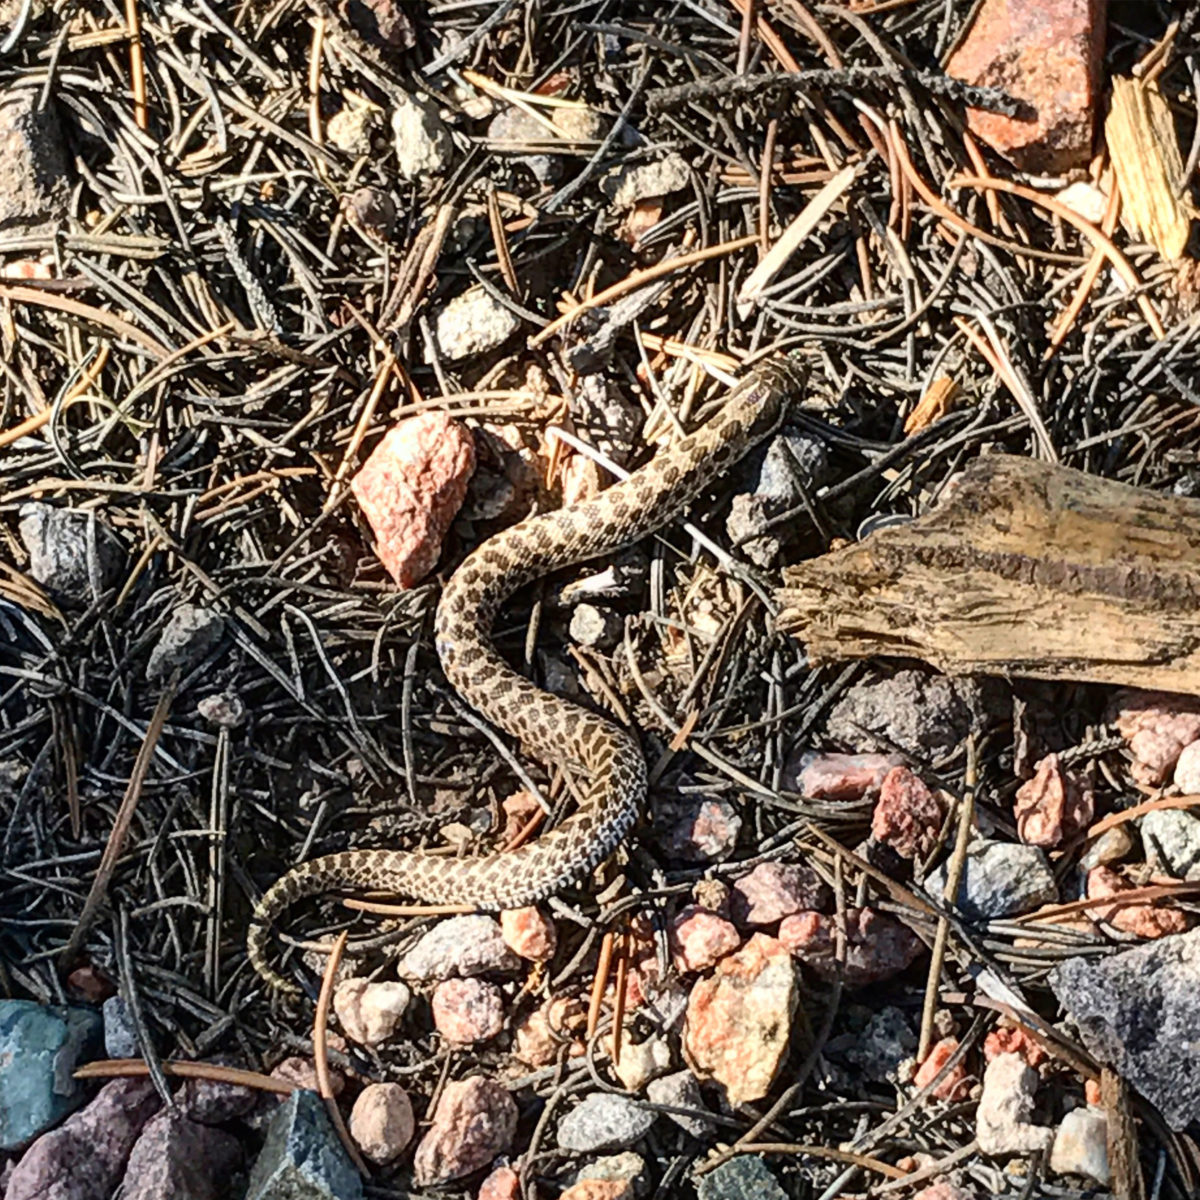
<point>608,758</point>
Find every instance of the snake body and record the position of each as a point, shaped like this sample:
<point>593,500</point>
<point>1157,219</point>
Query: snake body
<point>609,759</point>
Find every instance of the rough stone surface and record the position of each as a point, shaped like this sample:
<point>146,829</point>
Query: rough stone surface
<point>120,1037</point>
<point>302,1158</point>
<point>1013,1040</point>
<point>1187,770</point>
<point>907,816</point>
<point>626,1168</point>
<point>190,633</point>
<point>773,891</point>
<point>1157,725</point>
<point>878,946</point>
<point>641,1061</point>
<point>738,1020</point>
<point>461,946</point>
<point>226,710</point>
<point>410,489</point>
<point>1081,1145</point>
<point>822,776</point>
<point>1144,920</point>
<point>599,1189</point>
<point>70,551</point>
<point>502,1184</point>
<point>878,1050</point>
<point>599,628</point>
<point>301,1073</point>
<point>1171,838</point>
<point>603,1121</point>
<point>956,1085</point>
<point>178,1159</point>
<point>698,939</point>
<point>473,323</point>
<point>1002,1123</point>
<point>746,528</point>
<point>381,1121</point>
<point>794,465</point>
<point>84,1157</point>
<point>40,1046</point>
<point>1000,879</point>
<point>681,1090</point>
<point>529,933</point>
<point>474,1121</point>
<point>1111,846</point>
<point>541,1037</point>
<point>466,1011</point>
<point>212,1103</point>
<point>1046,53</point>
<point>745,1177</point>
<point>369,1011</point>
<point>944,1190</point>
<point>1056,804</point>
<point>34,180</point>
<point>1137,1012</point>
<point>698,830</point>
<point>423,143</point>
<point>643,180</point>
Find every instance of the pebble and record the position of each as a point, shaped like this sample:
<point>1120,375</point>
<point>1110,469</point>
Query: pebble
<point>795,465</point>
<point>1143,920</point>
<point>627,1168</point>
<point>370,1011</point>
<point>699,830</point>
<point>539,1039</point>
<point>878,946</point>
<point>40,1046</point>
<point>1000,879</point>
<point>603,1121</point>
<point>423,143</point>
<point>944,1190</point>
<point>774,890</point>
<point>178,1159</point>
<point>302,1158</point>
<point>907,816</point>
<point>1109,998</point>
<point>65,547</point>
<point>212,1102</point>
<point>681,1090</point>
<point>502,1184</point>
<point>382,1122</point>
<point>460,946</point>
<point>738,1020</point>
<point>878,1049</point>
<point>34,175</point>
<point>371,211</point>
<point>1053,806</point>
<point>529,933</point>
<point>599,1189</point>
<point>120,1036</point>
<point>1171,838</point>
<point>599,628</point>
<point>511,132</point>
<point>641,181</point>
<point>698,939</point>
<point>474,1121</point>
<point>472,324</point>
<point>83,1158</point>
<point>507,478</point>
<point>226,710</point>
<point>301,1072</point>
<point>87,983</point>
<point>351,128</point>
<point>1081,1145</point>
<point>1013,1040</point>
<point>467,1011</point>
<point>956,1085</point>
<point>821,776</point>
<point>190,633</point>
<point>1187,770</point>
<point>1111,846</point>
<point>1002,1124</point>
<point>746,528</point>
<point>1046,53</point>
<point>641,1061</point>
<point>1157,726</point>
<point>410,489</point>
<point>745,1177</point>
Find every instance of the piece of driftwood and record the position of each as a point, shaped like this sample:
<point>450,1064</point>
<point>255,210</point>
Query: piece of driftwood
<point>1025,569</point>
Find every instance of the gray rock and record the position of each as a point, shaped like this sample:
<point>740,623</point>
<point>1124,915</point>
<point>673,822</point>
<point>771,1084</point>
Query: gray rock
<point>473,323</point>
<point>882,1046</point>
<point>748,516</point>
<point>681,1090</point>
<point>34,182</point>
<point>925,714</point>
<point>697,829</point>
<point>40,1046</point>
<point>178,1159</point>
<point>120,1037</point>
<point>598,627</point>
<point>213,1103</point>
<point>741,1178</point>
<point>627,1166</point>
<point>1000,879</point>
<point>189,634</point>
<point>71,553</point>
<point>1138,1012</point>
<point>423,143</point>
<point>224,709</point>
<point>302,1158</point>
<point>461,946</point>
<point>643,180</point>
<point>793,465</point>
<point>1171,838</point>
<point>603,1121</point>
<point>511,131</point>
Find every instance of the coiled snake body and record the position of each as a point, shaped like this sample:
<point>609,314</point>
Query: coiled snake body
<point>553,730</point>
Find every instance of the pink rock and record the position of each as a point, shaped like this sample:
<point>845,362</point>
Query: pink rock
<point>83,1158</point>
<point>1014,1040</point>
<point>1046,53</point>
<point>944,1190</point>
<point>1157,726</point>
<point>773,891</point>
<point>370,1010</point>
<point>475,1120</point>
<point>381,1121</point>
<point>519,809</point>
<point>466,1011</point>
<point>529,933</point>
<point>1187,770</point>
<point>877,945</point>
<point>411,488</point>
<point>1054,805</point>
<point>705,830</point>
<point>842,776</point>
<point>599,1189</point>
<point>739,1019</point>
<point>502,1184</point>
<point>956,1085</point>
<point>552,1030</point>
<point>1144,920</point>
<point>699,938</point>
<point>212,1102</point>
<point>175,1157</point>
<point>461,946</point>
<point>303,1074</point>
<point>908,816</point>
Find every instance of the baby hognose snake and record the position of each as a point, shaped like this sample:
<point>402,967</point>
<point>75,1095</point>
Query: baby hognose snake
<point>551,729</point>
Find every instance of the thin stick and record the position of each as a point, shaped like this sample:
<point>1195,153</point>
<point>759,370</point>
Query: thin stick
<point>137,64</point>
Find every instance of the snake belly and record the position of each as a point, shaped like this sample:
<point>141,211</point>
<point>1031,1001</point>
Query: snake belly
<point>608,759</point>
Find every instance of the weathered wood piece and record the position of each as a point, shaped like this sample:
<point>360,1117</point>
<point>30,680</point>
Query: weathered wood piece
<point>1026,569</point>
